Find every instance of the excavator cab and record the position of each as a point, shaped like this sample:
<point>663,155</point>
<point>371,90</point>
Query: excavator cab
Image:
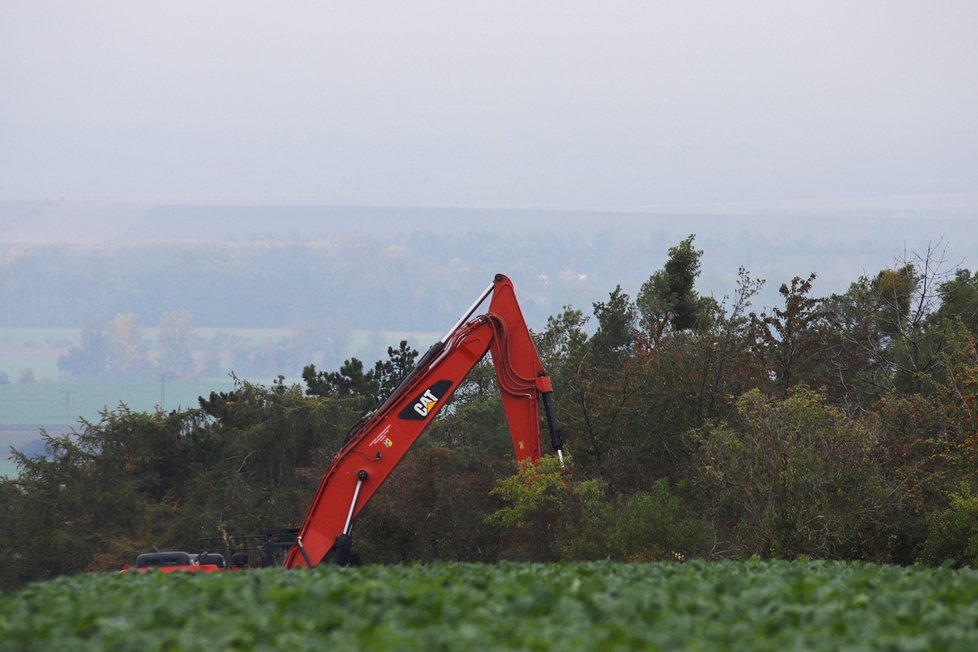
<point>275,545</point>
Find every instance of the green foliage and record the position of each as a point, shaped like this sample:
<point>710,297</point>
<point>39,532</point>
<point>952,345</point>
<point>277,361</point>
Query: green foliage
<point>839,427</point>
<point>537,488</point>
<point>433,507</point>
<point>886,333</point>
<point>133,480</point>
<point>537,504</point>
<point>374,385</point>
<point>797,477</point>
<point>953,531</point>
<point>789,334</point>
<point>668,300</point>
<point>547,513</point>
<point>648,525</point>
<point>89,359</point>
<point>616,326</point>
<point>350,380</point>
<point>959,299</point>
<point>752,605</point>
<point>563,341</point>
<point>857,349</point>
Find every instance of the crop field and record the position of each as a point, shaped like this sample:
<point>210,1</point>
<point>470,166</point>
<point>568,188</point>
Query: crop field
<point>57,402</point>
<point>38,349</point>
<point>58,406</point>
<point>7,467</point>
<point>751,605</point>
<point>62,403</point>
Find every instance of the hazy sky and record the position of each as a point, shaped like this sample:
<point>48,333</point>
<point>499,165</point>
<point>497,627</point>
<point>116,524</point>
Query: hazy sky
<point>501,102</point>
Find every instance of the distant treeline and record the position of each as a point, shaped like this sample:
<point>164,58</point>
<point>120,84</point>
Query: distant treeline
<point>120,349</point>
<point>281,271</point>
<point>839,427</point>
<point>412,283</point>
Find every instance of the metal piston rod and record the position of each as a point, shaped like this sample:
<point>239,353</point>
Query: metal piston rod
<point>361,476</point>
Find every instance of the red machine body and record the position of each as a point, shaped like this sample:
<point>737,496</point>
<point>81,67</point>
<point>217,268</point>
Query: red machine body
<point>378,445</point>
<point>375,449</point>
<point>168,562</point>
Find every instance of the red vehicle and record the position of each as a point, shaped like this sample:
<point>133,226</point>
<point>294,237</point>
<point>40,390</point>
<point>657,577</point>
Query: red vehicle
<point>386,434</point>
<point>167,562</point>
<point>267,548</point>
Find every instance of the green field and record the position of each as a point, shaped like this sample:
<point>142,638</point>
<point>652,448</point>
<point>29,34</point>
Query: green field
<point>34,349</point>
<point>588,606</point>
<point>63,402</point>
<point>56,402</point>
<point>58,406</point>
<point>7,466</point>
<point>38,349</point>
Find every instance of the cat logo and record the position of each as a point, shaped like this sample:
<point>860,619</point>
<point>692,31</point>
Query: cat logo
<point>425,403</point>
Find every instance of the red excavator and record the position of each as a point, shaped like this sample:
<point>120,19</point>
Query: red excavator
<point>383,436</point>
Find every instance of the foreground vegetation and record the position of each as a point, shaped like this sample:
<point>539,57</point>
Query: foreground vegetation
<point>716,606</point>
<point>839,427</point>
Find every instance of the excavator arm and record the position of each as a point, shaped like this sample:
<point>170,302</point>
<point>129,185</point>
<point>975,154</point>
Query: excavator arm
<point>376,448</point>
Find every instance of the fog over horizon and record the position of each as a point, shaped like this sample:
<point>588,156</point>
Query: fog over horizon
<point>510,104</point>
<point>829,137</point>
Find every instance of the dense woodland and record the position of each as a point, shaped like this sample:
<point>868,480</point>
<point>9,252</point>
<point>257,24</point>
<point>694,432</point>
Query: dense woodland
<point>839,427</point>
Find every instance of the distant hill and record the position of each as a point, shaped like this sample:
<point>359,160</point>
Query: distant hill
<point>93,222</point>
<point>413,268</point>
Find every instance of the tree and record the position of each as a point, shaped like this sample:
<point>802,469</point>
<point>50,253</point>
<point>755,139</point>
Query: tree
<point>959,299</point>
<point>127,347</point>
<point>599,378</point>
<point>894,292</point>
<point>350,380</point>
<point>886,333</point>
<point>547,515</point>
<point>389,373</point>
<point>947,457</point>
<point>175,341</point>
<point>797,476</point>
<point>562,340</point>
<point>89,359</point>
<point>789,334</point>
<point>245,460</point>
<point>668,301</point>
<point>434,506</point>
<point>615,335</point>
<point>373,386</point>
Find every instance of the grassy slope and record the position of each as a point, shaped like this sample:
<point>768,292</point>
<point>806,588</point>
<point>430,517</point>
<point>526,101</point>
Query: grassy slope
<point>715,606</point>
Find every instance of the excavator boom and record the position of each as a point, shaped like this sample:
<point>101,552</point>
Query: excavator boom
<point>376,448</point>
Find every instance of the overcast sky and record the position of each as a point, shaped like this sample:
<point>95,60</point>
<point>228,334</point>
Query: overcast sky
<point>495,103</point>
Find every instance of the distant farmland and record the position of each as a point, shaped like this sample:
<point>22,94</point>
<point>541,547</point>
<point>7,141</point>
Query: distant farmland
<point>57,403</point>
<point>58,406</point>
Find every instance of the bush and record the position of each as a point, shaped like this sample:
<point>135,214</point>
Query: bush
<point>798,477</point>
<point>549,515</point>
<point>952,533</point>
